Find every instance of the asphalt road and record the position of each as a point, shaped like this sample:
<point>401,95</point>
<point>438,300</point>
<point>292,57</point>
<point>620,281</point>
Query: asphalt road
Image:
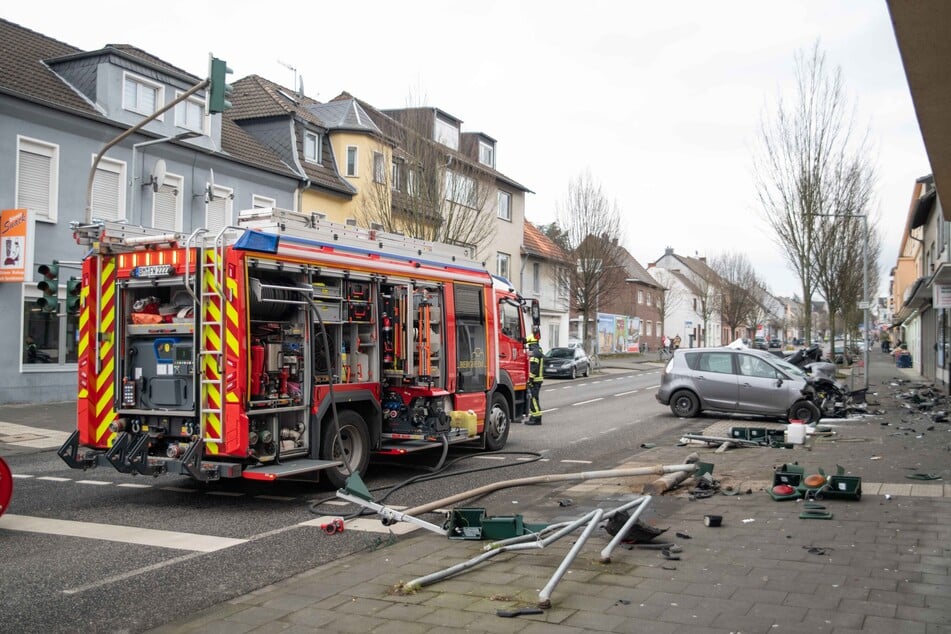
<point>114,553</point>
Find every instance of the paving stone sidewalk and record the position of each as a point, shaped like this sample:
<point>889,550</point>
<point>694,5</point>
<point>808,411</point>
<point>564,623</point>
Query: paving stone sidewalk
<point>880,564</point>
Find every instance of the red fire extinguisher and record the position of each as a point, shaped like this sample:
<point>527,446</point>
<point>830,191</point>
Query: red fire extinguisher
<point>257,369</point>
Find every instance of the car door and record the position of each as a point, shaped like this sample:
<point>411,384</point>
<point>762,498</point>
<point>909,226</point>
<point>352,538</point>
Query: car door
<point>760,391</point>
<point>716,380</point>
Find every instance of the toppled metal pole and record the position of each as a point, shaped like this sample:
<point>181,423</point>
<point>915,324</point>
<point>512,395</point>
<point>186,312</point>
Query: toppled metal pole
<point>607,550</point>
<point>558,477</point>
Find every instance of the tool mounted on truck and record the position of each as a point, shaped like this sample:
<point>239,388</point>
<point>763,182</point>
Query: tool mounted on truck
<point>218,355</point>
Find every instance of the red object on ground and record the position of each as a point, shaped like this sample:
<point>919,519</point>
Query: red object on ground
<point>6,486</point>
<point>783,489</point>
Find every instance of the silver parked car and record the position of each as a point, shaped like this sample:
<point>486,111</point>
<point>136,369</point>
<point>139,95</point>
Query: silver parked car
<point>741,381</point>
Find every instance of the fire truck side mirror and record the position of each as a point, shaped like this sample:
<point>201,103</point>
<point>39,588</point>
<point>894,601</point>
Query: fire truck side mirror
<point>536,315</point>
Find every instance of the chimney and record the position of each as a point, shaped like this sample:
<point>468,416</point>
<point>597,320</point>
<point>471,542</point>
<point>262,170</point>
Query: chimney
<point>669,251</point>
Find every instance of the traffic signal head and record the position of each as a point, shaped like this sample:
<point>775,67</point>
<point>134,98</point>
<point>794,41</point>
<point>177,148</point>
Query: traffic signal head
<point>50,287</point>
<point>74,288</point>
<point>219,91</point>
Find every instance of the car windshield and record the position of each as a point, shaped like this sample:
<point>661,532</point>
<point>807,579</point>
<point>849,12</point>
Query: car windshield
<point>788,368</point>
<point>561,353</point>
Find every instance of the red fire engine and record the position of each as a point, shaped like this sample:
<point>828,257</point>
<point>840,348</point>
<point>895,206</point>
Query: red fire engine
<point>244,353</point>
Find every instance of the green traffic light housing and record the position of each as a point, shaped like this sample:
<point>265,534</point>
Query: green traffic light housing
<point>219,91</point>
<point>49,301</point>
<point>74,288</point>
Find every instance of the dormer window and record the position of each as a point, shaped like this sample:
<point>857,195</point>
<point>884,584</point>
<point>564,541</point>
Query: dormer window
<point>140,95</point>
<point>311,147</point>
<point>486,154</point>
<point>190,114</point>
<point>446,132</point>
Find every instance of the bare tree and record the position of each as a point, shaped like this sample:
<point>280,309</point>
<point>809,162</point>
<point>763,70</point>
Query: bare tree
<point>737,289</point>
<point>807,148</point>
<point>590,225</point>
<point>428,190</point>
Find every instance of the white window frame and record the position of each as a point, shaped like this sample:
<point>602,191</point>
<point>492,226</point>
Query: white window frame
<point>51,152</point>
<point>446,133</point>
<point>353,161</point>
<point>225,194</point>
<point>640,296</point>
<point>503,261</point>
<point>487,153</point>
<point>173,184</point>
<point>460,189</point>
<point>505,210</point>
<point>316,157</point>
<point>112,166</point>
<point>262,202</point>
<point>379,168</point>
<point>536,278</point>
<point>395,181</point>
<point>181,114</point>
<point>142,81</point>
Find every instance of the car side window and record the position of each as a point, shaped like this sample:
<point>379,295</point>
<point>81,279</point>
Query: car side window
<point>719,362</point>
<point>751,366</point>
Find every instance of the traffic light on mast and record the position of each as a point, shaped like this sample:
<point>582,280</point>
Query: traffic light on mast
<point>219,91</point>
<point>49,301</point>
<point>74,287</point>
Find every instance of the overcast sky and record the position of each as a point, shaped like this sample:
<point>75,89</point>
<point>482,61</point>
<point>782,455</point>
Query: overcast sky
<point>660,101</point>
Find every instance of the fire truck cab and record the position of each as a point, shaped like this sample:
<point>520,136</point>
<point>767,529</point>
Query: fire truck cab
<point>288,344</point>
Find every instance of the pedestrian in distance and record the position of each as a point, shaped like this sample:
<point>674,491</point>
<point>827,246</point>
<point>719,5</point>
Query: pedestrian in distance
<point>535,378</point>
<point>676,341</point>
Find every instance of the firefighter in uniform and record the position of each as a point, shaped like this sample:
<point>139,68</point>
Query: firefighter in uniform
<point>535,378</point>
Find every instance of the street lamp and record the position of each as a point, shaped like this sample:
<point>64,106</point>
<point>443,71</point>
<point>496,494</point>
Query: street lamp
<point>865,303</point>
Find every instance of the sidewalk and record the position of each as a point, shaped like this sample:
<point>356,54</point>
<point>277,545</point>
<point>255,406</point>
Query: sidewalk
<point>881,564</point>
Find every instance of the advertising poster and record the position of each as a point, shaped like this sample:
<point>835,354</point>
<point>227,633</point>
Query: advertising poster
<point>13,241</point>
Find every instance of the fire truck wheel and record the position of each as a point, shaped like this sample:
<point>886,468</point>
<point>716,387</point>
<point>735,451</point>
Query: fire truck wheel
<point>497,424</point>
<point>356,448</point>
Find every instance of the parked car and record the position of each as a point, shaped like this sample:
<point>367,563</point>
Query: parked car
<point>775,343</point>
<point>741,381</point>
<point>759,343</point>
<point>569,362</point>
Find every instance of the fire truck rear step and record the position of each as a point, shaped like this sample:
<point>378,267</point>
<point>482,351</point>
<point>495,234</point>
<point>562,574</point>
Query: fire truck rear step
<point>287,469</point>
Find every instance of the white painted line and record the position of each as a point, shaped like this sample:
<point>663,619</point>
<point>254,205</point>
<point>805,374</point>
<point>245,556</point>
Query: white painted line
<point>227,494</point>
<point>576,461</point>
<point>21,475</point>
<point>276,498</point>
<point>567,387</point>
<point>479,457</point>
<point>123,534</point>
<point>626,393</point>
<point>178,489</point>
<point>552,409</point>
<point>54,479</point>
<point>132,485</point>
<point>95,482</point>
<point>594,400</point>
<point>582,439</point>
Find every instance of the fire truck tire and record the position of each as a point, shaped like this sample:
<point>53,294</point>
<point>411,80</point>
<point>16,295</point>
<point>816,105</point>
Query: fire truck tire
<point>356,447</point>
<point>497,423</point>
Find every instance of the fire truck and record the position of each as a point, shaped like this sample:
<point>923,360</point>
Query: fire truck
<point>288,345</point>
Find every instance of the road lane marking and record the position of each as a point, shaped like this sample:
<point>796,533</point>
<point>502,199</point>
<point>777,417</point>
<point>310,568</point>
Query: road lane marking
<point>594,400</point>
<point>21,475</point>
<point>480,457</point>
<point>54,479</point>
<point>114,533</point>
<point>626,393</point>
<point>178,489</point>
<point>576,461</point>
<point>94,482</point>
<point>134,485</point>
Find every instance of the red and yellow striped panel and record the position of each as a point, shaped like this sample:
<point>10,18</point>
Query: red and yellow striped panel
<point>213,401</point>
<point>97,389</point>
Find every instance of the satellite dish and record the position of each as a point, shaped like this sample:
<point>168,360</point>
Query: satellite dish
<point>158,175</point>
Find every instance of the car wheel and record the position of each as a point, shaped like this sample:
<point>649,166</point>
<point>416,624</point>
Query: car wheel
<point>356,448</point>
<point>496,429</point>
<point>684,404</point>
<point>806,411</point>
<point>574,372</point>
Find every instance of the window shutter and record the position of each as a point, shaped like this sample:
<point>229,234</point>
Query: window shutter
<point>105,195</point>
<point>164,208</point>
<point>33,188</point>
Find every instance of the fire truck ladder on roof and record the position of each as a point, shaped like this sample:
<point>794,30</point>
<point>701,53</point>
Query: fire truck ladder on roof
<point>315,226</point>
<point>208,291</point>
